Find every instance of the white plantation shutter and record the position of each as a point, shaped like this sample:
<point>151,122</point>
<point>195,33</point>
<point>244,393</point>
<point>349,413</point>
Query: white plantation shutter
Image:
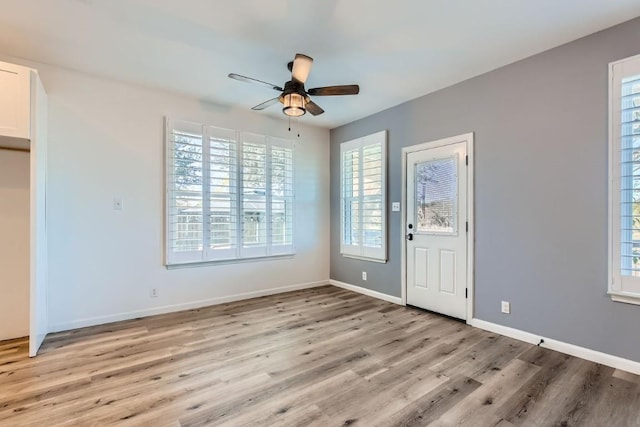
<point>229,194</point>
<point>372,197</point>
<point>363,197</point>
<point>624,172</point>
<point>185,201</point>
<point>223,194</point>
<point>350,184</point>
<point>254,195</point>
<point>281,222</point>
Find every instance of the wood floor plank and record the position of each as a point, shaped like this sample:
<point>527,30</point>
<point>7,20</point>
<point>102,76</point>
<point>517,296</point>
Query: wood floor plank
<point>365,402</point>
<point>272,411</point>
<point>521,407</point>
<point>627,376</point>
<point>430,407</point>
<point>560,393</point>
<point>480,407</point>
<point>618,405</point>
<point>317,357</point>
<point>591,385</point>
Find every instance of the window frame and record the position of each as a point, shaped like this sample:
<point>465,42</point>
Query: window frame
<point>239,253</point>
<point>360,251</point>
<point>625,289</point>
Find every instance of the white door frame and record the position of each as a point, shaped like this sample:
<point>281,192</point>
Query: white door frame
<point>468,139</point>
<point>38,270</point>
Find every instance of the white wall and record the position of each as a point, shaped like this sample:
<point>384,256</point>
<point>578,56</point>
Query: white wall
<point>106,141</point>
<point>14,244</point>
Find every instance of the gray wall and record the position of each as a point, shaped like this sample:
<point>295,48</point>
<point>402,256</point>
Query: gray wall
<point>540,186</point>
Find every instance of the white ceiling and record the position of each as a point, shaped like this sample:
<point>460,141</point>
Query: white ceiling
<point>396,50</point>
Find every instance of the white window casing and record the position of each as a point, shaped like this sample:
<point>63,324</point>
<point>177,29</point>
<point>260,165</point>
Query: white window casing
<point>363,204</point>
<point>229,194</point>
<point>624,180</point>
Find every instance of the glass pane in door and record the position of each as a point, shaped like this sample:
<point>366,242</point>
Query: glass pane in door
<point>436,186</point>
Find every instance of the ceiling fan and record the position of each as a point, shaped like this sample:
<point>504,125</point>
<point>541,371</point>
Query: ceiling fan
<point>295,98</point>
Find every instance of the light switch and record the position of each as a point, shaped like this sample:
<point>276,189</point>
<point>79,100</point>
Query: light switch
<point>117,204</point>
<point>395,206</point>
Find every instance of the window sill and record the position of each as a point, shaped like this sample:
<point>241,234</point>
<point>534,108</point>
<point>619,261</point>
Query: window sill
<point>362,258</point>
<point>195,264</point>
<point>626,298</point>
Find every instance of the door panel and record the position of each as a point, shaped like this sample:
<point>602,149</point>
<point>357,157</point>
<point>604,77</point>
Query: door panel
<point>421,266</point>
<point>436,212</point>
<point>448,272</point>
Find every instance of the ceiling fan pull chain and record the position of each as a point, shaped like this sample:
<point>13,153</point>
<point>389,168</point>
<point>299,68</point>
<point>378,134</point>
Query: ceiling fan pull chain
<point>289,123</point>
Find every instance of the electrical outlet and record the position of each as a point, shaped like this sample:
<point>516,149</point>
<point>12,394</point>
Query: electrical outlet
<point>364,275</point>
<point>395,207</point>
<point>153,293</point>
<point>506,307</point>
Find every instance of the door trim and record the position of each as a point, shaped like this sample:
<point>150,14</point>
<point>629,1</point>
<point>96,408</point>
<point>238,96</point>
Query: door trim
<point>467,138</point>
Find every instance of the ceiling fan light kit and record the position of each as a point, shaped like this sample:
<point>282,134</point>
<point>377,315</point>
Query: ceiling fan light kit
<point>294,104</point>
<point>294,96</point>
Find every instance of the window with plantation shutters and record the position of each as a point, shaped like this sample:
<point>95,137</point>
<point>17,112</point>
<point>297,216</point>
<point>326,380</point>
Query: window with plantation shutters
<point>624,181</point>
<point>229,194</point>
<point>363,197</point>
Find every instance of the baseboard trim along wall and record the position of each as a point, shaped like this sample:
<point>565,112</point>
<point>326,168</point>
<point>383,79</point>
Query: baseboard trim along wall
<point>100,320</point>
<point>365,291</point>
<point>562,347</point>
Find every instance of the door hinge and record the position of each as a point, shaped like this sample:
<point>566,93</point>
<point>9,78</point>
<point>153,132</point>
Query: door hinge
<point>466,292</point>
<point>467,226</point>
<point>466,160</point>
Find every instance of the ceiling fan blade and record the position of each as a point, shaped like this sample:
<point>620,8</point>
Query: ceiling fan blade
<point>266,104</point>
<point>250,80</point>
<point>335,90</point>
<point>314,108</point>
<point>301,67</point>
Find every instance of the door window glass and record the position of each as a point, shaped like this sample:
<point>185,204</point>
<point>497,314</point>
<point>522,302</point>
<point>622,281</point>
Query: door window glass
<point>436,184</point>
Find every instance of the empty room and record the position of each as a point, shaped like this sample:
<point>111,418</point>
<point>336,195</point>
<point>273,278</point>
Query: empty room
<point>319,213</point>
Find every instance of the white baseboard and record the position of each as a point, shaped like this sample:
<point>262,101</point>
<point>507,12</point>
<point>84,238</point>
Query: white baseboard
<point>562,347</point>
<point>365,291</point>
<point>100,320</point>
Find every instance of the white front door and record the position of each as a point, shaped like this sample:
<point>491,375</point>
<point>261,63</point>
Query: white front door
<point>436,228</point>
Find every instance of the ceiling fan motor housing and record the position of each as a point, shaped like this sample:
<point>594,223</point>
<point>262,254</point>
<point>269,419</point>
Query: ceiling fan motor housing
<point>293,87</point>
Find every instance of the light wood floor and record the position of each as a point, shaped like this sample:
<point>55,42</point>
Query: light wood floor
<point>324,357</point>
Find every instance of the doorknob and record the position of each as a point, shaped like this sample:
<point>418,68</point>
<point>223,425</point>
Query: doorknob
<point>410,236</point>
